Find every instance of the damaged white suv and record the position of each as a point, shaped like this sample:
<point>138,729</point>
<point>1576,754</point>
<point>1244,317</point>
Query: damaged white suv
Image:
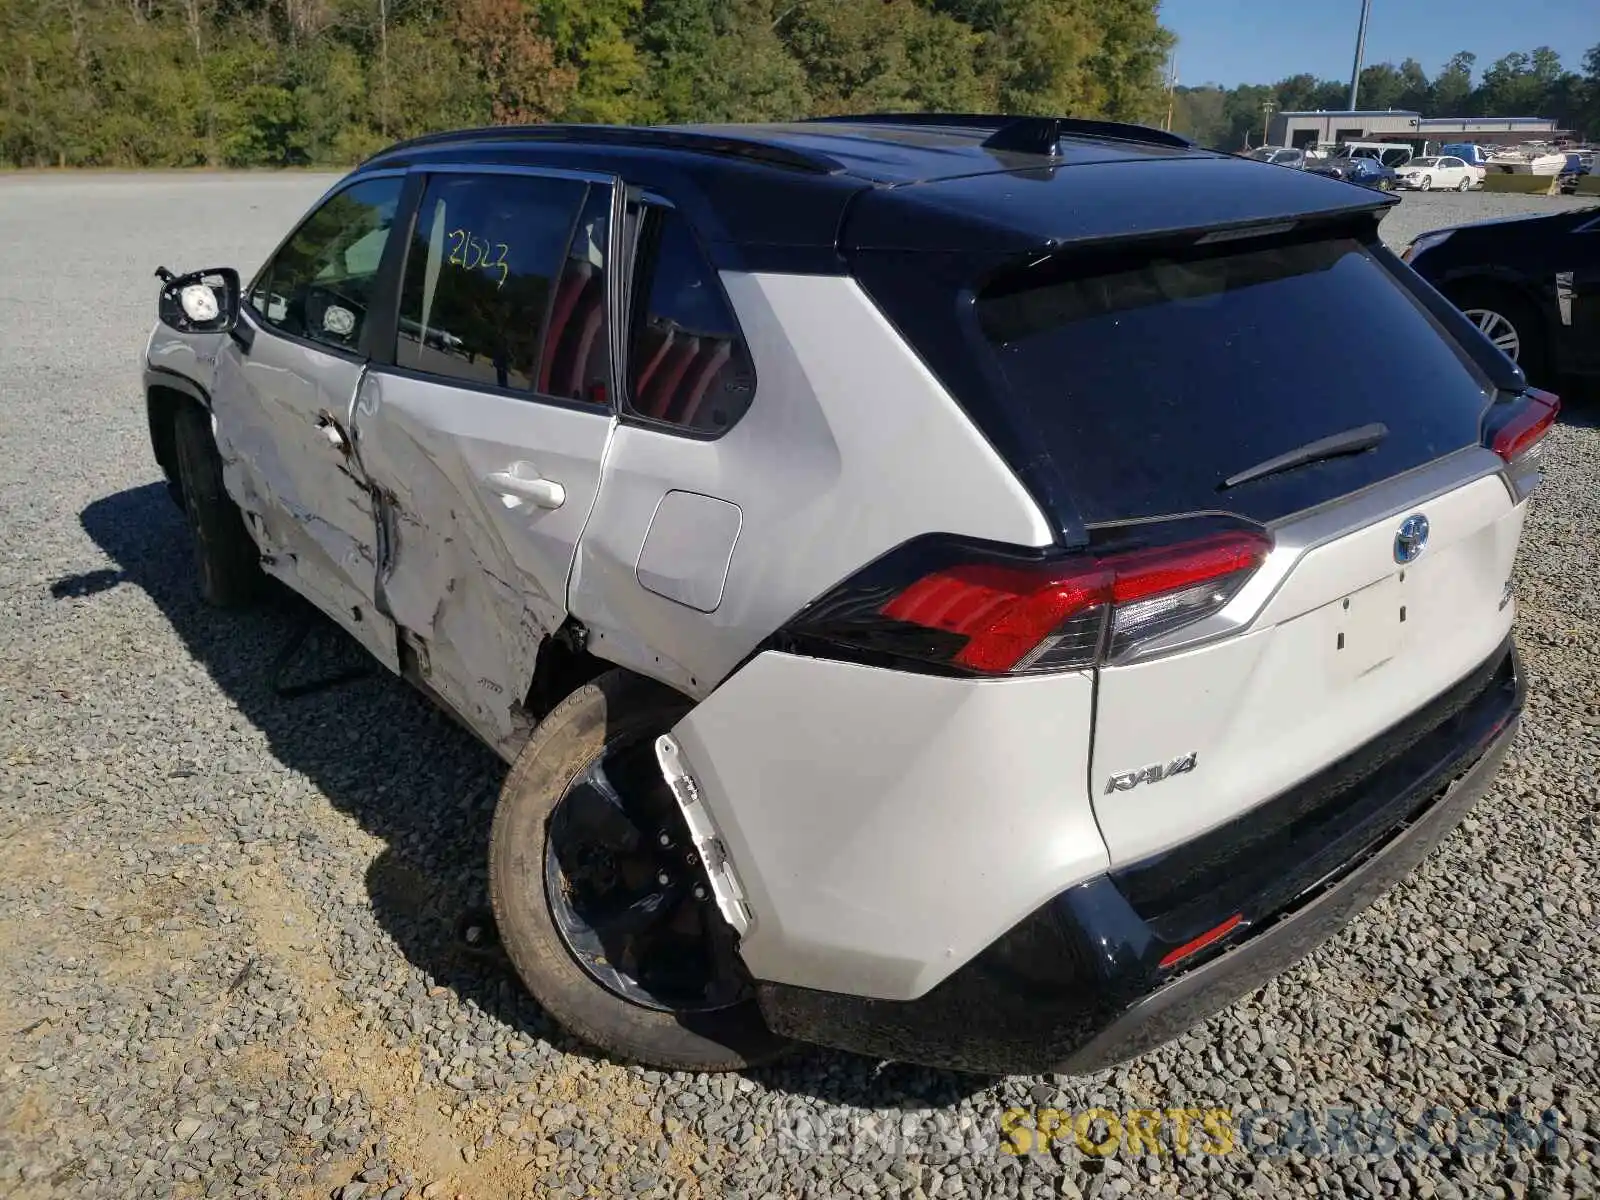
<point>926,604</point>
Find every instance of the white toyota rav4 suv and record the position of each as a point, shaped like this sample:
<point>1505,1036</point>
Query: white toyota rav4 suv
<point>925,603</point>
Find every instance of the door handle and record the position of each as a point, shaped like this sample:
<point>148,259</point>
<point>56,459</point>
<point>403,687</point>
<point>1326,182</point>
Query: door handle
<point>546,493</point>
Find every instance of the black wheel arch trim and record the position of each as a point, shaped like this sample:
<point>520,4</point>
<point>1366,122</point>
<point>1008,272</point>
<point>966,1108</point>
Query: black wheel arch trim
<point>160,382</point>
<point>164,377</point>
<point>1498,279</point>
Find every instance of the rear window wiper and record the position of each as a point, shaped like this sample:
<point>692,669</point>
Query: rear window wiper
<point>1351,441</point>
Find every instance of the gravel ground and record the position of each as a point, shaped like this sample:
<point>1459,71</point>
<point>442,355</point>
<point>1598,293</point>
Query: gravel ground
<point>227,958</point>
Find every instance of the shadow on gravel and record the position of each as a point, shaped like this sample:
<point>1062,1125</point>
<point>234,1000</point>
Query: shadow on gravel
<point>407,773</point>
<point>1580,402</point>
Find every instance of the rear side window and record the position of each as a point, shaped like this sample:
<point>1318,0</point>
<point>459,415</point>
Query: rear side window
<point>503,279</point>
<point>1150,382</point>
<point>688,364</point>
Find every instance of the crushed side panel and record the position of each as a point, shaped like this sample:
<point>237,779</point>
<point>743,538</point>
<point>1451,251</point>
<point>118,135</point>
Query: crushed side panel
<point>474,580</point>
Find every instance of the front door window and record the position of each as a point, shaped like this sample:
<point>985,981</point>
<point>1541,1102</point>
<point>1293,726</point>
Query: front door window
<point>319,283</point>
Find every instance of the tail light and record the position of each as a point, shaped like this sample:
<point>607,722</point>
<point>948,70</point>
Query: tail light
<point>1515,430</point>
<point>994,612</point>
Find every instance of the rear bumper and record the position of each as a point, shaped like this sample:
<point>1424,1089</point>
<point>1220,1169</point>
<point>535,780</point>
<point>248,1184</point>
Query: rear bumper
<point>1079,985</point>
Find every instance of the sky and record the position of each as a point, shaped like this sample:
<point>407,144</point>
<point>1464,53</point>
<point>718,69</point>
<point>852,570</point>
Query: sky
<point>1252,41</point>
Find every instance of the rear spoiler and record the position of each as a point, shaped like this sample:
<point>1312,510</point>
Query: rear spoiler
<point>1053,207</point>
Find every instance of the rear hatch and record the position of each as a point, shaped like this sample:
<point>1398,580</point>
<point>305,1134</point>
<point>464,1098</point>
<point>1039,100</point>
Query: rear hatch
<point>1280,387</point>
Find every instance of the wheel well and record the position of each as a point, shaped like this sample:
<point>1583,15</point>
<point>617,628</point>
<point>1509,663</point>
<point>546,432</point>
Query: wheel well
<point>162,405</point>
<point>562,667</point>
<point>1465,289</point>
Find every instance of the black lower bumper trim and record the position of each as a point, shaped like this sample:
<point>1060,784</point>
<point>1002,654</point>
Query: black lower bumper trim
<point>1078,985</point>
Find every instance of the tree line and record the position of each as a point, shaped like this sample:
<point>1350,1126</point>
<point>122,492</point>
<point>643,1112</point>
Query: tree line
<point>1520,84</point>
<point>172,83</point>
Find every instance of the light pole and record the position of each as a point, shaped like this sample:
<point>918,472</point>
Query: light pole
<point>1361,50</point>
<point>1172,85</point>
<point>1266,116</point>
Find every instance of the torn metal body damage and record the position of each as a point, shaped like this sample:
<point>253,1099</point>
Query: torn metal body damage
<point>452,530</point>
<point>310,512</point>
<point>474,577</point>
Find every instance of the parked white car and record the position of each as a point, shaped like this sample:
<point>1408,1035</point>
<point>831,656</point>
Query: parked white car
<point>1445,173</point>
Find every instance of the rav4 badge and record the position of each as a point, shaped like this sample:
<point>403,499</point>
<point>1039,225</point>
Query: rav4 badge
<point>1126,781</point>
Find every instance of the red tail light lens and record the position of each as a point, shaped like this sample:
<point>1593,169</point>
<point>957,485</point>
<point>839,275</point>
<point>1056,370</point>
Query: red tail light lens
<point>1527,419</point>
<point>1014,619</point>
<point>1007,614</point>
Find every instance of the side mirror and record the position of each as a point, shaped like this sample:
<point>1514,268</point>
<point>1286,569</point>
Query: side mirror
<point>199,302</point>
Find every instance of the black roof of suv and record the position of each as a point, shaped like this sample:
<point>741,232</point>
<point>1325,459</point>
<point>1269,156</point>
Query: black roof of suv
<point>1128,318</point>
<point>794,196</point>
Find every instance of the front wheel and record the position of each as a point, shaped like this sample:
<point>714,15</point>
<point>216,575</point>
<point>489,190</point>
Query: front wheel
<point>226,557</point>
<point>1425,184</point>
<point>601,902</point>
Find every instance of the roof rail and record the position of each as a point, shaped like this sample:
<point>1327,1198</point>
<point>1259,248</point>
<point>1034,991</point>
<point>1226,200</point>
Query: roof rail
<point>1023,135</point>
<point>661,137</point>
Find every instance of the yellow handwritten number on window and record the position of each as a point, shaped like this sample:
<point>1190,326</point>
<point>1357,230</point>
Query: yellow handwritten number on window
<point>473,254</point>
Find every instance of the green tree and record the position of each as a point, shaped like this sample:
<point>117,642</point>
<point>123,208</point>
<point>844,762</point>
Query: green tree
<point>1197,112</point>
<point>1519,84</point>
<point>288,82</point>
<point>1588,97</point>
<point>1044,49</point>
<point>1415,91</point>
<point>1131,50</point>
<point>591,38</point>
<point>515,61</point>
<point>1298,93</point>
<point>895,54</point>
<point>719,60</point>
<point>435,85</point>
<point>1242,110</point>
<point>1382,85</point>
<point>1450,94</point>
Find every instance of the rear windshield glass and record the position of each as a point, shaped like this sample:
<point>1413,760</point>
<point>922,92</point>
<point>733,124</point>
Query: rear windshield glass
<point>1150,382</point>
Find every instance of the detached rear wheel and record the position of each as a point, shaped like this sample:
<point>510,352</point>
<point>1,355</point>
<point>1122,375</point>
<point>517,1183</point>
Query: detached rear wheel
<point>602,905</point>
<point>227,560</point>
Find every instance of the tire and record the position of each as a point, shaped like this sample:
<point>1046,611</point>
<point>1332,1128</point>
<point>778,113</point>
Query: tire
<point>227,561</point>
<point>1425,184</point>
<point>1477,300</point>
<point>617,710</point>
<point>1464,186</point>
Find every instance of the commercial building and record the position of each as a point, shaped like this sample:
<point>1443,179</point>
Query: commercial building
<point>1300,129</point>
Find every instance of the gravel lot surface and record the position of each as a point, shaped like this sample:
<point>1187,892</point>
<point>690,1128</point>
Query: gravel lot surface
<point>227,952</point>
